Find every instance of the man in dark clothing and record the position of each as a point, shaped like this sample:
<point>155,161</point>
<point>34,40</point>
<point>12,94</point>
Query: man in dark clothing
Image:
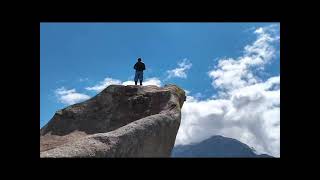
<point>139,67</point>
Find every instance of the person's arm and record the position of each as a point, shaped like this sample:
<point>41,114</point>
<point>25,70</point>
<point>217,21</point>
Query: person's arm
<point>135,66</point>
<point>144,67</point>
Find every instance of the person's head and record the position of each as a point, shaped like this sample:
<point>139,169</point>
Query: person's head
<point>139,59</point>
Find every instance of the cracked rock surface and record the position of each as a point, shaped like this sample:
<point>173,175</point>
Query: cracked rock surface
<point>120,121</point>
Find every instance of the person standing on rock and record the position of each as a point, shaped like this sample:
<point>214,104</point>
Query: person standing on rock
<point>139,67</point>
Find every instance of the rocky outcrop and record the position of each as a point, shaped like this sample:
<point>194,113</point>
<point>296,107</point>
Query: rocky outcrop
<point>121,121</point>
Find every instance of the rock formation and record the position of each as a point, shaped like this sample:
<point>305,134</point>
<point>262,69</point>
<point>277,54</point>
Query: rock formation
<point>120,121</point>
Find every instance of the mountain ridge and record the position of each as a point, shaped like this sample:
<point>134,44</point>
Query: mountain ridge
<point>216,146</point>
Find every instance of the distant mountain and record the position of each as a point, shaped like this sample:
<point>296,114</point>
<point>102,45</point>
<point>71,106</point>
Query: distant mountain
<point>216,146</point>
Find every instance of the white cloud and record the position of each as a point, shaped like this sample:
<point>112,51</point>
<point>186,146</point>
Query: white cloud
<point>251,115</point>
<point>61,81</point>
<point>198,95</point>
<point>109,81</point>
<point>236,73</point>
<point>69,97</point>
<point>103,84</point>
<point>180,71</point>
<point>148,81</point>
<point>83,79</point>
<point>152,81</point>
<point>246,108</point>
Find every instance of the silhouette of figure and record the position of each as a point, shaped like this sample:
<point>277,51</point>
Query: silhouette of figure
<point>139,67</point>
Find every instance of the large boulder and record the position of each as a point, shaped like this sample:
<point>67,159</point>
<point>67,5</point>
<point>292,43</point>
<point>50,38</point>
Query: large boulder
<point>121,121</point>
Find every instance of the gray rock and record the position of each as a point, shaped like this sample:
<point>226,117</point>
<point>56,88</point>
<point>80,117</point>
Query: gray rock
<point>121,121</point>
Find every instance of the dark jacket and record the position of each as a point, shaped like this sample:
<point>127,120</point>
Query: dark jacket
<point>139,66</point>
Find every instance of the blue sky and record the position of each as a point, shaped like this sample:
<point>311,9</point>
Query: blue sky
<point>75,56</point>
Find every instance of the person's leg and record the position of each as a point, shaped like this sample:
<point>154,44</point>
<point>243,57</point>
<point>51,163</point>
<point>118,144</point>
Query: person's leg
<point>141,78</point>
<point>136,78</point>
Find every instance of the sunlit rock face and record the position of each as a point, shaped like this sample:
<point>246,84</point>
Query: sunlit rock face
<point>121,121</point>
